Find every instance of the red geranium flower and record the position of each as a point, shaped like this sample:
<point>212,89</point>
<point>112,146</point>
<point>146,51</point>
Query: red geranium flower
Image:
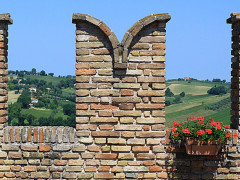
<point>200,132</point>
<point>176,124</point>
<point>173,129</point>
<point>228,135</point>
<point>209,131</point>
<point>175,134</point>
<point>194,118</point>
<point>213,123</point>
<point>200,122</point>
<point>186,131</point>
<point>227,126</point>
<point>200,118</point>
<point>218,125</point>
<point>235,135</point>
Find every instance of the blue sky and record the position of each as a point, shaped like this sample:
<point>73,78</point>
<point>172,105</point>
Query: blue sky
<point>198,38</point>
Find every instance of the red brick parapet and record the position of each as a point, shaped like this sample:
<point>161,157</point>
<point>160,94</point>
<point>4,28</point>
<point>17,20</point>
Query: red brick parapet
<point>120,118</point>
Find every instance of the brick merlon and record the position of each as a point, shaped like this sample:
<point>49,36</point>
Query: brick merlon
<point>6,18</point>
<point>234,18</point>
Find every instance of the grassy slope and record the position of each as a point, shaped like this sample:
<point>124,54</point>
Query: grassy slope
<point>54,80</point>
<point>194,102</point>
<point>42,113</point>
<point>12,97</point>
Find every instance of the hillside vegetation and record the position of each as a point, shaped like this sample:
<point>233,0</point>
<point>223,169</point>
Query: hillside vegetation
<point>56,100</point>
<point>197,102</point>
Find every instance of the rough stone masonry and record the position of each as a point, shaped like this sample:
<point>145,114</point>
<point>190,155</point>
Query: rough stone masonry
<point>120,131</point>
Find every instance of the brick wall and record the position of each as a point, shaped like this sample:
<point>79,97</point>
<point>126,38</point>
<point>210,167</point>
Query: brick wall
<point>120,131</point>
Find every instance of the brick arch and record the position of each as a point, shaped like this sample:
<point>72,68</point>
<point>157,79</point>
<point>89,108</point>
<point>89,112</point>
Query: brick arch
<point>137,27</point>
<point>77,17</point>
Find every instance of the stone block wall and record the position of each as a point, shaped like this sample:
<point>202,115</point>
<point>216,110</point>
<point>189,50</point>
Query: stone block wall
<point>120,119</point>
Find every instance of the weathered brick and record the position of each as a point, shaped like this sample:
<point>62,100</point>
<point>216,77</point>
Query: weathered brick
<point>15,155</point>
<point>101,65</point>
<point>128,127</point>
<point>126,120</point>
<point>151,120</point>
<point>152,52</point>
<point>116,141</point>
<point>82,93</point>
<point>140,149</point>
<point>145,156</point>
<point>151,134</point>
<point>105,134</point>
<point>104,119</point>
<point>85,113</point>
<point>70,155</point>
<point>85,72</point>
<point>126,106</point>
<point>150,106</point>
<point>106,113</point>
<point>127,134</point>
<point>151,66</point>
<point>30,168</point>
<point>102,106</point>
<point>153,39</point>
<point>136,141</point>
<point>125,92</point>
<point>125,156</point>
<point>89,45</point>
<point>151,93</point>
<point>94,148</point>
<point>29,147</point>
<point>105,72</point>
<point>105,127</point>
<point>85,175</point>
<point>6,147</point>
<point>121,148</point>
<point>40,175</point>
<point>105,156</point>
<point>127,113</point>
<point>105,92</point>
<point>103,176</point>
<point>82,52</point>
<point>82,65</point>
<point>126,85</point>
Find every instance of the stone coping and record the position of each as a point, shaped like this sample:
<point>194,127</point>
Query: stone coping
<point>6,18</point>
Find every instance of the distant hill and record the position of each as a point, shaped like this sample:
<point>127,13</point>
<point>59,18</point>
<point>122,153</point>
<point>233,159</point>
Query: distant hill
<point>197,102</point>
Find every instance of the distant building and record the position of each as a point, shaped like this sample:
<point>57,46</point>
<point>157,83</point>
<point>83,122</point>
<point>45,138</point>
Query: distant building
<point>33,89</point>
<point>34,100</point>
<point>186,79</point>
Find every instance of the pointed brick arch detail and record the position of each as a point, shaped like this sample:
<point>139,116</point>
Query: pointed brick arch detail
<point>105,29</point>
<point>137,27</point>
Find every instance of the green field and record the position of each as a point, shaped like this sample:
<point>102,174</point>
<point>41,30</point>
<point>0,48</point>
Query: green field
<point>195,102</point>
<point>37,113</point>
<point>54,80</point>
<point>68,91</point>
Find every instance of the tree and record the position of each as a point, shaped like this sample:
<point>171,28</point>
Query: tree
<point>177,100</point>
<point>169,93</point>
<point>182,94</point>
<point>20,74</point>
<point>30,119</point>
<point>167,103</point>
<point>24,99</point>
<point>51,74</point>
<point>69,109</point>
<point>42,73</point>
<point>34,71</point>
<point>217,90</point>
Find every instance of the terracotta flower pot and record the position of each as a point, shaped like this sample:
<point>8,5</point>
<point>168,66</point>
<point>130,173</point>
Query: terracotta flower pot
<point>194,147</point>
